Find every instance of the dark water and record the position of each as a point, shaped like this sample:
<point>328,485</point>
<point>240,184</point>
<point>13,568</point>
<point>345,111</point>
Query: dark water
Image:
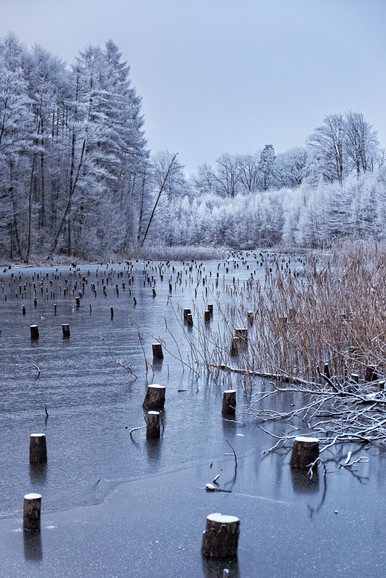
<point>121,505</point>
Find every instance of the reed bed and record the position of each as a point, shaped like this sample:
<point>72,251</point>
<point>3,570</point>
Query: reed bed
<point>326,315</point>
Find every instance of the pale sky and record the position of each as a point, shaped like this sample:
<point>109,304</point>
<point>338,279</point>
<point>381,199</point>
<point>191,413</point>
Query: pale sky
<point>226,76</point>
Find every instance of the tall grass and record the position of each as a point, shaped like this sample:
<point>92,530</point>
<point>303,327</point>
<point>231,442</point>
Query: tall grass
<point>331,310</point>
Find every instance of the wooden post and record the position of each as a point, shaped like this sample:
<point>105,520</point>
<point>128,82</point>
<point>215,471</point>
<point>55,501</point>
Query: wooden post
<point>31,517</point>
<point>210,309</point>
<point>77,302</point>
<point>66,330</point>
<point>305,450</point>
<point>23,309</point>
<point>155,397</point>
<point>153,424</point>
<point>157,351</point>
<point>34,329</point>
<point>37,448</point>
<point>207,316</point>
<point>112,312</point>
<point>229,402</point>
<point>221,536</point>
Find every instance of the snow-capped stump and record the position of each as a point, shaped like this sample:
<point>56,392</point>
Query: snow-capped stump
<point>305,451</point>
<point>37,448</point>
<point>153,424</point>
<point>207,316</point>
<point>66,330</point>
<point>235,346</point>
<point>157,351</point>
<point>371,373</point>
<point>34,330</point>
<point>31,512</point>
<point>155,397</point>
<point>242,334</point>
<point>229,402</point>
<point>221,536</point>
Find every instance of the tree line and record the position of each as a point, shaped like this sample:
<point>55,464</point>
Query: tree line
<point>77,177</point>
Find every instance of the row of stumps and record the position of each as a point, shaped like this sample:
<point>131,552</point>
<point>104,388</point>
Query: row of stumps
<point>34,331</point>
<point>33,502</point>
<point>221,535</point>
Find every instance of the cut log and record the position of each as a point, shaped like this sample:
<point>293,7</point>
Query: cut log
<point>153,424</point>
<point>305,450</point>
<point>157,351</point>
<point>155,397</point>
<point>37,448</point>
<point>229,402</point>
<point>34,329</point>
<point>31,514</point>
<point>221,536</point>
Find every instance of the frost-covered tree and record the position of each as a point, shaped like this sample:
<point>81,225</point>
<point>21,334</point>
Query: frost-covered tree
<point>327,146</point>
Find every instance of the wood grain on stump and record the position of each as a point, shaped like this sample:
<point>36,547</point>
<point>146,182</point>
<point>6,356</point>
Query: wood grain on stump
<point>153,428</point>
<point>31,513</point>
<point>229,402</point>
<point>221,536</point>
<point>155,397</point>
<point>37,448</point>
<point>305,450</point>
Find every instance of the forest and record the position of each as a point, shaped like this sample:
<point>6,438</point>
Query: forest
<point>77,177</point>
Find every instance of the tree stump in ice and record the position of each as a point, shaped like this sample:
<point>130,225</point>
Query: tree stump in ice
<point>37,448</point>
<point>153,428</point>
<point>66,330</point>
<point>34,329</point>
<point>221,536</point>
<point>229,402</point>
<point>371,373</point>
<point>235,346</point>
<point>31,514</point>
<point>155,397</point>
<point>157,351</point>
<point>242,334</point>
<point>304,452</point>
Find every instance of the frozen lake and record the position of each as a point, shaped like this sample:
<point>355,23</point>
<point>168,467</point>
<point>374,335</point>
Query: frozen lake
<point>115,504</point>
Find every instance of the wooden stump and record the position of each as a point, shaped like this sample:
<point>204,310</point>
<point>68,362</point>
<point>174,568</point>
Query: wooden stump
<point>210,309</point>
<point>229,402</point>
<point>305,450</point>
<point>155,397</point>
<point>23,309</point>
<point>221,536</point>
<point>371,373</point>
<point>250,317</point>
<point>66,330</point>
<point>34,329</point>
<point>235,346</point>
<point>242,335</point>
<point>157,351</point>
<point>37,448</point>
<point>207,316</point>
<point>31,514</point>
<point>187,312</point>
<point>153,424</point>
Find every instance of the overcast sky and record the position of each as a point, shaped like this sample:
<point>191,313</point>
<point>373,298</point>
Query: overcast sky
<point>220,76</point>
